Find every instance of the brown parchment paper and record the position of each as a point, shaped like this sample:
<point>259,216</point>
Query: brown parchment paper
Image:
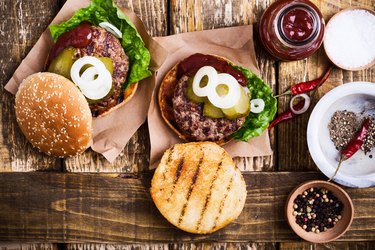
<point>236,44</point>
<point>113,131</point>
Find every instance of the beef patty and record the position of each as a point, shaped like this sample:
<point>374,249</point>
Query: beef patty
<point>191,121</point>
<point>106,44</point>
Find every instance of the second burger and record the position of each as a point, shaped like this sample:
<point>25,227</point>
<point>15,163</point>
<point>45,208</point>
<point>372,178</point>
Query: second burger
<point>209,98</point>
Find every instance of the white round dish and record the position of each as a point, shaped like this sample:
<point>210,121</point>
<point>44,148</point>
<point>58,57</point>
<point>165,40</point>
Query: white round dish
<point>359,170</point>
<point>339,41</point>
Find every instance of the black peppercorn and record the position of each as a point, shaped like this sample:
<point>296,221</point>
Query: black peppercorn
<point>317,210</point>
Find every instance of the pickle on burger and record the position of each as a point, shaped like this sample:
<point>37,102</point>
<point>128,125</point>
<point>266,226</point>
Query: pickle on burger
<point>100,50</point>
<point>208,98</point>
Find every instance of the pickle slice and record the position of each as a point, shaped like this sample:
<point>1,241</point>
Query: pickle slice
<point>211,111</point>
<point>242,108</point>
<point>222,89</point>
<point>62,63</point>
<point>190,93</point>
<point>105,60</point>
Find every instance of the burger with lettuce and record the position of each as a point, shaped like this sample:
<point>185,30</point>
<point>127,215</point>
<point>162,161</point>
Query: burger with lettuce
<point>100,50</point>
<point>209,98</point>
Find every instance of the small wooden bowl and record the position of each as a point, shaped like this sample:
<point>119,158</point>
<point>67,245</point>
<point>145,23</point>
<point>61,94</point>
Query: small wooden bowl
<point>331,58</point>
<point>332,233</point>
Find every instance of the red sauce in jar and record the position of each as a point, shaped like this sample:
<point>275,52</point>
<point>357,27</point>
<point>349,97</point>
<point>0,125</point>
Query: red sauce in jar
<point>291,29</point>
<point>298,24</point>
<point>189,66</point>
<point>78,37</point>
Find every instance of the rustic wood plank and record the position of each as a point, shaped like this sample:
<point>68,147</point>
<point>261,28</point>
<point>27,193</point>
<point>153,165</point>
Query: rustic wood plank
<point>29,246</point>
<point>328,246</point>
<point>21,25</point>
<point>34,246</point>
<point>184,246</point>
<point>292,145</point>
<point>189,16</point>
<point>135,155</point>
<point>58,207</point>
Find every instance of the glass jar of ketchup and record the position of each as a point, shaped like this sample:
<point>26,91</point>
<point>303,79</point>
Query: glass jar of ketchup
<point>291,29</point>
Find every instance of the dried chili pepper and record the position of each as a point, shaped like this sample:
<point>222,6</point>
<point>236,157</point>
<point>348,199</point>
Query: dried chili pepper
<point>308,86</point>
<point>354,145</point>
<point>287,115</point>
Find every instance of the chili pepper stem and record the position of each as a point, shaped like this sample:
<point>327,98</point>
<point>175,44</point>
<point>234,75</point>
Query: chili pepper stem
<point>342,158</point>
<point>284,94</point>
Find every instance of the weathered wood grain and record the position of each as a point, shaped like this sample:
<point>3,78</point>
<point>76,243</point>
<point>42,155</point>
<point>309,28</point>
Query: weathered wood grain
<point>22,22</point>
<point>292,151</point>
<point>328,246</point>
<point>186,16</point>
<point>135,156</point>
<point>20,246</point>
<point>182,246</point>
<point>56,207</point>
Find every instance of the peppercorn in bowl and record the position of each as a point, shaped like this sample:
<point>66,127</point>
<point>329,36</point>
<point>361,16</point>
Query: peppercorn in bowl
<point>319,211</point>
<point>340,142</point>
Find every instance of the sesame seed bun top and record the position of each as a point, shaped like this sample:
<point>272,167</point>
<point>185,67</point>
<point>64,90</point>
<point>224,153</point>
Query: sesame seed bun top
<point>53,115</point>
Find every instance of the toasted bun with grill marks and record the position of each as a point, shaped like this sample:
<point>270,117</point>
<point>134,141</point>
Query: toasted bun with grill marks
<point>53,115</point>
<point>198,188</point>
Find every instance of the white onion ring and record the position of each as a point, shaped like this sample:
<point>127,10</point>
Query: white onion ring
<point>212,75</point>
<point>231,98</point>
<point>94,89</point>
<point>257,105</point>
<point>89,74</point>
<point>111,28</point>
<point>305,106</point>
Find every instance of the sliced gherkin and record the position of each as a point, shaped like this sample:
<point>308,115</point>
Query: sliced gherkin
<point>190,93</point>
<point>62,63</point>
<point>242,108</point>
<point>209,110</point>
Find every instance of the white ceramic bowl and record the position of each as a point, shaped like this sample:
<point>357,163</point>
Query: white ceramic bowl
<point>359,170</point>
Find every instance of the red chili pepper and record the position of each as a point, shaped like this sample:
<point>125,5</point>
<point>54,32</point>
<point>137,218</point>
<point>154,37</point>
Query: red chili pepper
<point>354,145</point>
<point>308,86</point>
<point>287,115</point>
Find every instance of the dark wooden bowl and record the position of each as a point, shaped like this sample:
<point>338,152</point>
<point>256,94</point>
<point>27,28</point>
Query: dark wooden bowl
<point>332,233</point>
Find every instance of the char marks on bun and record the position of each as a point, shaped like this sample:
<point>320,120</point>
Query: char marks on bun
<point>198,188</point>
<point>53,115</point>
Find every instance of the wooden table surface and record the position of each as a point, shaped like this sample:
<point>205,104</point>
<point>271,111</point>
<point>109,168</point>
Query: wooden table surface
<point>85,202</point>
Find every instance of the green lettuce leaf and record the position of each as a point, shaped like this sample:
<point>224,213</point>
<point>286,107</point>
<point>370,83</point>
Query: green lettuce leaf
<point>107,11</point>
<point>255,124</point>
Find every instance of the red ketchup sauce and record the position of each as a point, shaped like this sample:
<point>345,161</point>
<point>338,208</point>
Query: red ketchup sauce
<point>298,24</point>
<point>189,66</point>
<point>78,37</point>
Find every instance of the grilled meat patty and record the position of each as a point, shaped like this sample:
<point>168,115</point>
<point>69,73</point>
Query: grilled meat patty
<point>191,121</point>
<point>106,44</point>
<point>198,188</point>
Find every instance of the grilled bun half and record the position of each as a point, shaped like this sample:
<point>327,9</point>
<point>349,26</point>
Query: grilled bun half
<point>53,115</point>
<point>198,188</point>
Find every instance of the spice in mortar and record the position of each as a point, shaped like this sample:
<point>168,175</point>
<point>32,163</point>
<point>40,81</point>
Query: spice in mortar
<point>343,127</point>
<point>317,210</point>
<point>350,37</point>
<point>369,142</point>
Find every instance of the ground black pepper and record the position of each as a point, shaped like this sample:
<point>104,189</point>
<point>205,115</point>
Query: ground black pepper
<point>317,210</point>
<point>344,126</point>
<point>369,142</point>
